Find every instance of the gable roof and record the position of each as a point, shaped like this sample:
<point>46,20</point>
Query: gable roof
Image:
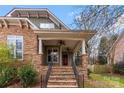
<point>39,10</point>
<point>115,43</point>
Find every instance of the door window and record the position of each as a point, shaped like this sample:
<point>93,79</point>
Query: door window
<point>52,55</point>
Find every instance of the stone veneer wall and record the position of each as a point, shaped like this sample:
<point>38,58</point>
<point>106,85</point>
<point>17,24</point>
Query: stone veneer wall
<point>85,66</point>
<point>30,43</point>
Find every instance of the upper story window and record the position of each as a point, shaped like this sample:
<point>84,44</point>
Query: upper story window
<point>47,25</point>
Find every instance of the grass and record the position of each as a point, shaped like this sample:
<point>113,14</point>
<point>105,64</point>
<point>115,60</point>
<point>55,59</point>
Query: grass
<point>105,81</point>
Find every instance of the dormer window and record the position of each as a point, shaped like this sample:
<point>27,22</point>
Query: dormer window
<point>47,25</point>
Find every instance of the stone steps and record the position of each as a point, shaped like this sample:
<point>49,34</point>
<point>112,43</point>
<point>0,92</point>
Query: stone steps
<point>62,86</point>
<point>69,83</point>
<point>66,81</point>
<point>62,67</point>
<point>61,70</point>
<point>62,73</point>
<point>62,77</point>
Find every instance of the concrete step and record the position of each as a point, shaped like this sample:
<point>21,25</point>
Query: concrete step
<point>62,73</point>
<point>62,77</point>
<point>58,77</point>
<point>62,67</point>
<point>62,86</point>
<point>62,70</point>
<point>63,81</point>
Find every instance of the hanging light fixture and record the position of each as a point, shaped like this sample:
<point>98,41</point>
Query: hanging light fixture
<point>61,43</point>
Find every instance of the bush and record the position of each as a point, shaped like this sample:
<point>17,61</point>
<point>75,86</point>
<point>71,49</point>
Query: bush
<point>119,67</point>
<point>89,71</point>
<point>5,54</point>
<point>98,69</point>
<point>102,60</point>
<point>7,75</point>
<point>27,75</point>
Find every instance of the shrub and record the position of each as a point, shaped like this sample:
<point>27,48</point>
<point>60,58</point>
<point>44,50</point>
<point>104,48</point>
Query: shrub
<point>27,75</point>
<point>7,75</point>
<point>102,60</point>
<point>89,72</point>
<point>5,54</point>
<point>98,69</point>
<point>119,67</point>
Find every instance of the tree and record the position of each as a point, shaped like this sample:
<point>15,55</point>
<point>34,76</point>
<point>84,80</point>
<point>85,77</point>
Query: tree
<point>112,39</point>
<point>103,47</point>
<point>100,18</point>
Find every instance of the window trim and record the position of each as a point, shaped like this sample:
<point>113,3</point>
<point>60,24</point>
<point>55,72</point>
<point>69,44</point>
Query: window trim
<point>17,37</point>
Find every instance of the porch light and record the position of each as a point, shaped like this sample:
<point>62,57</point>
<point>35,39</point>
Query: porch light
<point>68,49</point>
<point>61,42</point>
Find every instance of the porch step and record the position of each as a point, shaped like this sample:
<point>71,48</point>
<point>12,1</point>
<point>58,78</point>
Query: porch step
<point>62,77</point>
<point>62,70</point>
<point>62,86</point>
<point>62,82</point>
<point>62,73</point>
<point>62,67</point>
<point>66,81</point>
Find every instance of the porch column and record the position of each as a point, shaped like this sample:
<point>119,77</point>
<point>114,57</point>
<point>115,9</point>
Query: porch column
<point>83,47</point>
<point>40,46</point>
<point>84,59</point>
<point>41,50</point>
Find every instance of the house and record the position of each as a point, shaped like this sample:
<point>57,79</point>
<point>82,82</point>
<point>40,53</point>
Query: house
<point>38,35</point>
<point>116,52</point>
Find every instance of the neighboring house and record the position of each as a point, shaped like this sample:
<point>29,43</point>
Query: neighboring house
<point>116,52</point>
<point>39,36</point>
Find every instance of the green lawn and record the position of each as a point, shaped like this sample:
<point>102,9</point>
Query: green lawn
<point>105,81</point>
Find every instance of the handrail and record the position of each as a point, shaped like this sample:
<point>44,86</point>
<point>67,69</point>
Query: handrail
<point>79,78</point>
<point>75,72</point>
<point>46,77</point>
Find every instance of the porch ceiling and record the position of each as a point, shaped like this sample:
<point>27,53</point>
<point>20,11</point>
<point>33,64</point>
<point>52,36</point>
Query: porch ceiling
<point>64,35</point>
<point>72,44</point>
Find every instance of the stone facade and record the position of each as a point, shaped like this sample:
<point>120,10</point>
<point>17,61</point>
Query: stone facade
<point>30,42</point>
<point>85,65</point>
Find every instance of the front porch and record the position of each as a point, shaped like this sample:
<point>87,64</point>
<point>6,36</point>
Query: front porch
<point>64,49</point>
<point>60,52</point>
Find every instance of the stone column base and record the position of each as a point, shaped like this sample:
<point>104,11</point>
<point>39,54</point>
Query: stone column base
<point>85,66</point>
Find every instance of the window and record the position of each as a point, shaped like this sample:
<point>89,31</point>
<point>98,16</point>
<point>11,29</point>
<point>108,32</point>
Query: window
<point>15,43</point>
<point>52,55</point>
<point>47,25</point>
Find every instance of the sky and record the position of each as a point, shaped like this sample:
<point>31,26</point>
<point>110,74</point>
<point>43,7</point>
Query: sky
<point>64,12</point>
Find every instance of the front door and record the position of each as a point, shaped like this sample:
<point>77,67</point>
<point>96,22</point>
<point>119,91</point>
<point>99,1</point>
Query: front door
<point>64,59</point>
<point>53,55</point>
